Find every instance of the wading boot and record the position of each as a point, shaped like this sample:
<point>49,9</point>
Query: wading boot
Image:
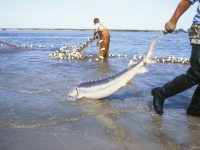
<point>158,100</point>
<point>194,108</point>
<point>178,85</point>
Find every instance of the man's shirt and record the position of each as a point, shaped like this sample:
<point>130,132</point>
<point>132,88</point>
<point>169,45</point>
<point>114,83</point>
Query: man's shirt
<point>196,19</point>
<point>99,27</point>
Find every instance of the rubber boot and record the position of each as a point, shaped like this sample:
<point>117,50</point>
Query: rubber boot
<point>178,85</point>
<point>194,108</point>
<point>158,99</point>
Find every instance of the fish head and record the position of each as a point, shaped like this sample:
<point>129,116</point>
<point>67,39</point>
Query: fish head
<point>73,93</point>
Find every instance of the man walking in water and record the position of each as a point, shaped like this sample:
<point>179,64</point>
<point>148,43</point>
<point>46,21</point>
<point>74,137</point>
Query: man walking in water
<point>104,39</point>
<point>192,76</point>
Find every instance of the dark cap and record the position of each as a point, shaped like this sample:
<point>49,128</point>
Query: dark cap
<point>96,20</point>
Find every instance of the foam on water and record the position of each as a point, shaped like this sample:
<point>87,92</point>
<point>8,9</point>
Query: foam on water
<point>27,91</point>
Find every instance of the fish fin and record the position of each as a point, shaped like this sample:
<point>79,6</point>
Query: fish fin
<point>129,82</point>
<point>148,57</point>
<point>131,63</point>
<point>143,70</point>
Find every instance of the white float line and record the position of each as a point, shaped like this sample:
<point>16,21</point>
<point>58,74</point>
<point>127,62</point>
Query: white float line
<point>77,55</point>
<point>36,46</point>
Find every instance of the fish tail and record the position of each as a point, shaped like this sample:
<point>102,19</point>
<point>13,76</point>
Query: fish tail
<point>148,57</point>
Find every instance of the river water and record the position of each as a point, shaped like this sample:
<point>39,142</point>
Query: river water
<point>37,114</point>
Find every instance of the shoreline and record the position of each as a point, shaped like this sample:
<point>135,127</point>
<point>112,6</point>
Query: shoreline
<point>71,29</point>
<point>74,29</point>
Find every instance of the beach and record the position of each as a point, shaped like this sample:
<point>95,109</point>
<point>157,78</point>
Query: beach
<point>37,114</point>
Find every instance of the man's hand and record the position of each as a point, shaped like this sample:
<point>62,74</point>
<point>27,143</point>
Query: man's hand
<point>170,27</point>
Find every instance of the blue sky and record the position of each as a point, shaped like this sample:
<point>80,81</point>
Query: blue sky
<point>115,14</point>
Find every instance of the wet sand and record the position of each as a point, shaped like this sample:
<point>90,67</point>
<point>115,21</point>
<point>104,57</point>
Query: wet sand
<point>104,126</point>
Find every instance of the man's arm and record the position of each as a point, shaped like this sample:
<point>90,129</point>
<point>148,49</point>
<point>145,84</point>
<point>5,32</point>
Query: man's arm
<point>170,26</point>
<point>95,33</point>
<point>181,8</point>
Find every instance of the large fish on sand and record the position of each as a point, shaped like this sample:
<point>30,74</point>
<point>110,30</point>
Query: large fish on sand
<point>105,87</point>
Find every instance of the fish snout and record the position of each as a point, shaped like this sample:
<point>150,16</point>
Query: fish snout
<point>73,93</point>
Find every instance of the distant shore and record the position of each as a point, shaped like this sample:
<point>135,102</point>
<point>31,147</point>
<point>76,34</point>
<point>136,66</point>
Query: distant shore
<point>71,29</point>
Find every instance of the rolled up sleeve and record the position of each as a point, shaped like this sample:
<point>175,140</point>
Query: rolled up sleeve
<point>193,1</point>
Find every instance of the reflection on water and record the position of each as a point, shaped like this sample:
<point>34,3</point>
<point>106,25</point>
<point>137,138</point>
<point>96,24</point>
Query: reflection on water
<point>173,135</point>
<point>107,116</point>
<point>34,105</point>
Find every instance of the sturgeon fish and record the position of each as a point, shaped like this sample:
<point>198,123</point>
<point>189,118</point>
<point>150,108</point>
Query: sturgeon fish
<point>105,87</point>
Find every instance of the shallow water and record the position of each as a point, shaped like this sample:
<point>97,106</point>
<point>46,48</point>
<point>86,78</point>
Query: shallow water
<point>36,113</point>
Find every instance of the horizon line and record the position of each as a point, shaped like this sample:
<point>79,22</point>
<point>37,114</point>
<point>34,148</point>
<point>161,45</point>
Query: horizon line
<point>84,29</point>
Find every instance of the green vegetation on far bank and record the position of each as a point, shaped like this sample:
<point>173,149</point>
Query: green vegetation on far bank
<point>71,29</point>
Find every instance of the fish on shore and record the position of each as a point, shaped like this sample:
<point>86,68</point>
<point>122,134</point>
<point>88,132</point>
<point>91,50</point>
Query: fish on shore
<point>105,87</point>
